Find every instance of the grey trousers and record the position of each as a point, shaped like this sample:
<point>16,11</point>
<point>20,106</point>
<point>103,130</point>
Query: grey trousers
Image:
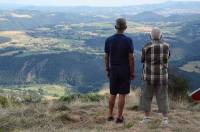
<point>161,93</point>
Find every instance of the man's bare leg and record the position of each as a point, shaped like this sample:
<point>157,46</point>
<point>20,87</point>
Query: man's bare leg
<point>121,103</point>
<point>111,104</point>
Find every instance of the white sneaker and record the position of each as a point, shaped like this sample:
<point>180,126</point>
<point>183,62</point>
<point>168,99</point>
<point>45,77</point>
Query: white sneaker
<point>145,120</point>
<point>165,122</point>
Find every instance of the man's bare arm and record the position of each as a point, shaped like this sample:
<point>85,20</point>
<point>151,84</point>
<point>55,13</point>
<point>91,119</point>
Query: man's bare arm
<point>106,61</point>
<point>143,56</point>
<point>132,65</point>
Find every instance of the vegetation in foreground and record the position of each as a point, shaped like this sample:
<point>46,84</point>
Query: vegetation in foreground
<point>88,113</point>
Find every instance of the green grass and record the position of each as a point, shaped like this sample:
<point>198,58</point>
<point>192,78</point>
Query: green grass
<point>90,97</point>
<point>3,101</point>
<point>47,89</point>
<point>154,124</point>
<point>129,125</point>
<point>30,92</point>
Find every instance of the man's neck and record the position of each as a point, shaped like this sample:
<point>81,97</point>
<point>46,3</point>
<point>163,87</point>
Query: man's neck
<point>119,32</point>
<point>156,41</point>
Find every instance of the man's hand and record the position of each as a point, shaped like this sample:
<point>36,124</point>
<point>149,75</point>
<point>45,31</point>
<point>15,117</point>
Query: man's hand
<point>132,66</point>
<point>108,74</point>
<point>106,61</point>
<point>132,76</point>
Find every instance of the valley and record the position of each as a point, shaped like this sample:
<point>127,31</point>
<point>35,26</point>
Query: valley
<point>59,46</point>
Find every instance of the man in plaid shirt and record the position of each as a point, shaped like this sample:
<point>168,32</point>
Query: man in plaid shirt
<point>155,56</point>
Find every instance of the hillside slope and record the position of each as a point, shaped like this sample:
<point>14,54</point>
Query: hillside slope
<point>90,115</point>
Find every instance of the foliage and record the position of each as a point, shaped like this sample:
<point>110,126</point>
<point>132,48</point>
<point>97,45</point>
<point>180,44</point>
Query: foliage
<point>3,101</point>
<point>41,91</point>
<point>178,87</point>
<point>69,98</point>
<point>90,97</point>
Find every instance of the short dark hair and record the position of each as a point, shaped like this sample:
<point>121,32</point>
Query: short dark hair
<point>121,24</point>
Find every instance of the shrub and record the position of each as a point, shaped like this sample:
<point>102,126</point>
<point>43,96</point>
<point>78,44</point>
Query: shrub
<point>32,96</point>
<point>28,98</point>
<point>55,95</point>
<point>41,91</point>
<point>178,87</point>
<point>91,97</point>
<point>3,101</point>
<point>1,91</point>
<point>69,98</point>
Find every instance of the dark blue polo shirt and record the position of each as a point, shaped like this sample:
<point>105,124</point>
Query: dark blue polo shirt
<point>118,47</point>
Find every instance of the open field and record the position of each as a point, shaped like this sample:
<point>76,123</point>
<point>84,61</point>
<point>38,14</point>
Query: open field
<point>193,66</point>
<point>39,45</point>
<point>21,40</point>
<point>46,90</point>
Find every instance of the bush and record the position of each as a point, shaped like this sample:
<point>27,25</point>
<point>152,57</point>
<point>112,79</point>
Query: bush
<point>55,95</point>
<point>69,98</point>
<point>3,101</point>
<point>1,91</point>
<point>28,98</point>
<point>91,97</point>
<point>41,91</point>
<point>178,88</point>
<point>32,96</point>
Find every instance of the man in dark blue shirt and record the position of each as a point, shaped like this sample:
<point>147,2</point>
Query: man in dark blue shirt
<point>119,64</point>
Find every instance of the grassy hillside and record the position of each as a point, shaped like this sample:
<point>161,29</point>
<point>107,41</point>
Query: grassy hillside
<point>88,113</point>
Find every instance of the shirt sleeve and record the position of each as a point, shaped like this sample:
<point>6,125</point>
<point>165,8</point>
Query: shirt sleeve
<point>106,48</point>
<point>131,47</point>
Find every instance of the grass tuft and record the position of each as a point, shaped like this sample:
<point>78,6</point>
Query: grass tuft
<point>4,102</point>
<point>90,97</point>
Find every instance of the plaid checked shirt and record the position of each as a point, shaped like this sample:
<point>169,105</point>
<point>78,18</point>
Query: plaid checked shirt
<point>155,56</point>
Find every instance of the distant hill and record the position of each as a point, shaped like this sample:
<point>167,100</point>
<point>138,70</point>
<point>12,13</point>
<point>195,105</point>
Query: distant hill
<point>184,5</point>
<point>76,69</point>
<point>180,5</point>
<point>148,16</point>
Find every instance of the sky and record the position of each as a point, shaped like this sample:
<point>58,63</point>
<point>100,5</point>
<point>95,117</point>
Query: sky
<point>86,2</point>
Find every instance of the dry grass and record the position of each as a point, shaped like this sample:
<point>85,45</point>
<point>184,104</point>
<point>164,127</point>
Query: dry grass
<point>88,116</point>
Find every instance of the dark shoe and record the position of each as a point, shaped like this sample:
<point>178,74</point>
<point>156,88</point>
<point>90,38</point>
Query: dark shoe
<point>120,120</point>
<point>111,118</point>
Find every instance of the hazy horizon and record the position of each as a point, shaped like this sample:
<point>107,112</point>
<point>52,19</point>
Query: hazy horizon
<point>86,2</point>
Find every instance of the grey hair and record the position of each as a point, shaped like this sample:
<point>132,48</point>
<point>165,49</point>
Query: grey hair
<point>156,33</point>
